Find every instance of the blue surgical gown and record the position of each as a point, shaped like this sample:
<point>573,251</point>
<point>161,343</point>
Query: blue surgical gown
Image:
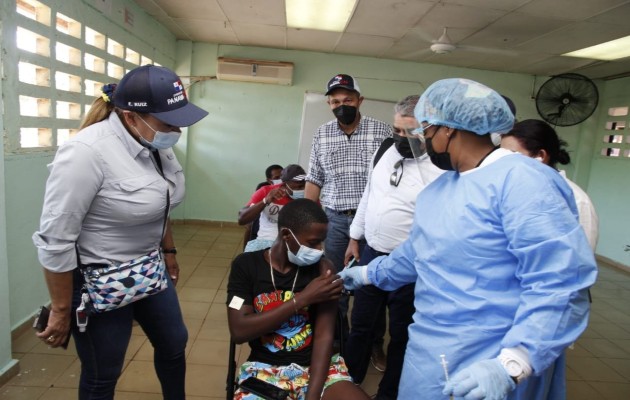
<point>499,260</point>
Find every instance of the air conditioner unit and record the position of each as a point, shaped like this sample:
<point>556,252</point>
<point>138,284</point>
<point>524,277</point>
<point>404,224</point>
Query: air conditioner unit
<point>243,70</point>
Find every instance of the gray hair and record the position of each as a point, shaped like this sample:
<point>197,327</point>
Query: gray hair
<point>406,106</point>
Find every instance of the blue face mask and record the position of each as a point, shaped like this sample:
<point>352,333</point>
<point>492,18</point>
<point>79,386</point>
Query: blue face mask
<point>305,255</point>
<point>295,194</point>
<point>161,140</point>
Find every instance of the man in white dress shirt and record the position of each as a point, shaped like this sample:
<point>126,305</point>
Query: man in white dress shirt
<point>384,219</point>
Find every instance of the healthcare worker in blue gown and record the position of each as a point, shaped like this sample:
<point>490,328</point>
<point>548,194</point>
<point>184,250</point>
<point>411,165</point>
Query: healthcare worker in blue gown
<point>500,262</point>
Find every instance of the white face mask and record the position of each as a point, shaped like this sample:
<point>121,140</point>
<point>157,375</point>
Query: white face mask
<point>161,140</point>
<point>305,255</point>
<point>276,181</point>
<point>538,158</point>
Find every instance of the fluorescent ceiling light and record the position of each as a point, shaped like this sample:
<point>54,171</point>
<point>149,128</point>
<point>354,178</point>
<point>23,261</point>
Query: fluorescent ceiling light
<point>323,15</point>
<point>613,50</point>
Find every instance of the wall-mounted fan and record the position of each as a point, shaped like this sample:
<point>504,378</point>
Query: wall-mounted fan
<point>567,99</point>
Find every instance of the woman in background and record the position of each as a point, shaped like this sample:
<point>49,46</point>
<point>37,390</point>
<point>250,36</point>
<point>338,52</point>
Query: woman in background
<point>537,139</point>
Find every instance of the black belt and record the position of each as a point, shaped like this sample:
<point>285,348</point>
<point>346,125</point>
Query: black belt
<point>378,253</point>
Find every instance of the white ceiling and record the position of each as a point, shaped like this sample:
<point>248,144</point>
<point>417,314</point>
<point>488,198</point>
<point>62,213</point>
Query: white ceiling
<point>525,36</point>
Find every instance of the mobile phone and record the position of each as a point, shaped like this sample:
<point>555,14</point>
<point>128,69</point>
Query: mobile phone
<point>41,320</point>
<point>263,389</point>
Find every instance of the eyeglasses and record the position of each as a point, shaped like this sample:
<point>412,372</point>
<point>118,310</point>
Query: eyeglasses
<point>395,178</point>
<point>421,131</point>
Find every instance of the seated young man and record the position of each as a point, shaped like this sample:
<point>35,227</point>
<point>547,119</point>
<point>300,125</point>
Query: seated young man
<point>283,301</point>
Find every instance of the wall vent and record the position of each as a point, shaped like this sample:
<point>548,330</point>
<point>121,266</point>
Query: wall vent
<point>244,70</point>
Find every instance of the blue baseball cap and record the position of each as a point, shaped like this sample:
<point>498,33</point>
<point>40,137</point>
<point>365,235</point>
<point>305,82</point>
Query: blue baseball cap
<point>157,91</point>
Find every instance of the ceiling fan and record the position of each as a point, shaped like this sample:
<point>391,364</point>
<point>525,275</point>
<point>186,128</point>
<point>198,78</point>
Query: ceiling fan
<point>444,45</point>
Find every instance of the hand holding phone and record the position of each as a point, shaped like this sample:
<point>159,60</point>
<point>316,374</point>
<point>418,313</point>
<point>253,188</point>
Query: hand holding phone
<point>41,323</point>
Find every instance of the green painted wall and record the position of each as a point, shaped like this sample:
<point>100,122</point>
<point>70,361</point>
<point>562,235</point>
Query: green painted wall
<point>609,181</point>
<point>6,359</point>
<point>253,125</point>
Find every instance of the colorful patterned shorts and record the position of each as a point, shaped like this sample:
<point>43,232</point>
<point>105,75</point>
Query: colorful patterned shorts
<point>293,378</point>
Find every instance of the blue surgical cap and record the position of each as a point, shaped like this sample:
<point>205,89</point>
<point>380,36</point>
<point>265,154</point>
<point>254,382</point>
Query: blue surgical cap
<point>464,104</point>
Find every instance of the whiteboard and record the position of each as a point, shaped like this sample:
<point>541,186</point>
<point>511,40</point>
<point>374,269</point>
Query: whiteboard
<point>317,112</point>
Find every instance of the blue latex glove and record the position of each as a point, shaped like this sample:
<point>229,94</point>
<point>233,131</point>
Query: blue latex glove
<point>355,277</point>
<point>484,380</point>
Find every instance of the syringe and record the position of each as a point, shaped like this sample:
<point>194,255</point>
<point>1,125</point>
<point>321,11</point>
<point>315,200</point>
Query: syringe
<point>445,368</point>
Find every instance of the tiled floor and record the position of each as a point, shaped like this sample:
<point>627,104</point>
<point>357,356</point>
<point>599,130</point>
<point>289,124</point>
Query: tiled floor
<point>598,367</point>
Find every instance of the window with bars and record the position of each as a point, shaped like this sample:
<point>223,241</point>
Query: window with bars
<point>62,65</point>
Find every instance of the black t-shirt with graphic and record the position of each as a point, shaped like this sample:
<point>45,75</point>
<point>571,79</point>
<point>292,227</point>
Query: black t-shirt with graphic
<point>250,279</point>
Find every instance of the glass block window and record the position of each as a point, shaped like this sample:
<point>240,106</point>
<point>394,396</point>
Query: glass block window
<point>62,63</point>
<point>616,143</point>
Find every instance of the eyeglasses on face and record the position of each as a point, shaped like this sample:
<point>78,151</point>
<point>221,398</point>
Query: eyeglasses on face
<point>422,130</point>
<point>395,178</point>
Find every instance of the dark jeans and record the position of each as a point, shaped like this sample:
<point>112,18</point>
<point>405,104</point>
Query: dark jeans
<point>102,347</point>
<point>335,247</point>
<point>369,301</point>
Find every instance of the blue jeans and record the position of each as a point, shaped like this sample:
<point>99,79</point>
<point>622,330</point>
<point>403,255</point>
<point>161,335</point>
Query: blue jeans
<point>369,302</point>
<point>101,348</point>
<point>335,247</point>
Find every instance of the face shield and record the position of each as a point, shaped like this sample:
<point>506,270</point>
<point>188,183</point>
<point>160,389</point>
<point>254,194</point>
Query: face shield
<point>417,144</point>
<point>407,144</point>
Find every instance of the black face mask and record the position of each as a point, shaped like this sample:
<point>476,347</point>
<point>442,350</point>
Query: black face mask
<point>345,114</point>
<point>403,146</point>
<point>440,160</point>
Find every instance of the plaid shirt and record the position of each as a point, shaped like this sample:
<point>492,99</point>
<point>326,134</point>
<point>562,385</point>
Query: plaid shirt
<point>339,163</point>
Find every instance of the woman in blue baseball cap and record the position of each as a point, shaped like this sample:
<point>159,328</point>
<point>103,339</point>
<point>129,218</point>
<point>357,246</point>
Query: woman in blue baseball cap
<point>500,263</point>
<point>105,239</point>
